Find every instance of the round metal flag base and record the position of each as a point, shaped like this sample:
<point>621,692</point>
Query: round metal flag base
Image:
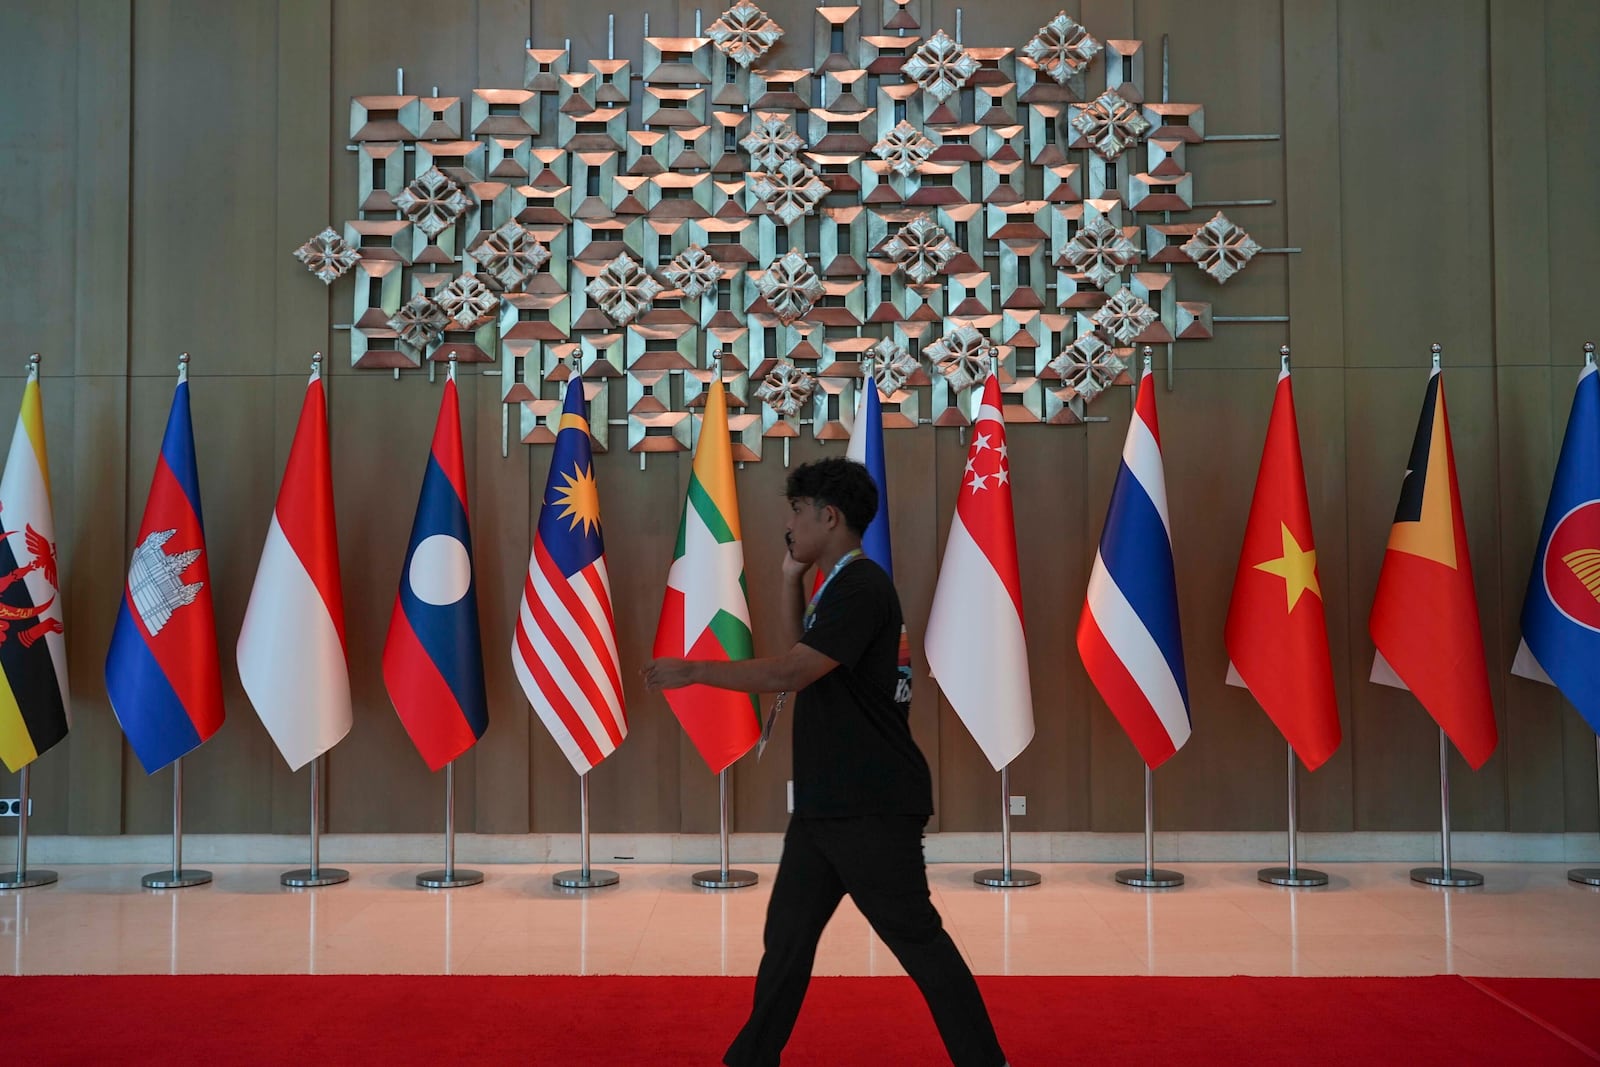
<point>592,880</point>
<point>1000,878</point>
<point>1296,877</point>
<point>715,879</point>
<point>1586,875</point>
<point>27,879</point>
<point>306,878</point>
<point>1454,878</point>
<point>1140,878</point>
<point>170,879</point>
<point>442,879</point>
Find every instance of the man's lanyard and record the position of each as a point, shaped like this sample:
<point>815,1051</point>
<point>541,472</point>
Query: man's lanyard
<point>807,620</point>
<point>811,606</point>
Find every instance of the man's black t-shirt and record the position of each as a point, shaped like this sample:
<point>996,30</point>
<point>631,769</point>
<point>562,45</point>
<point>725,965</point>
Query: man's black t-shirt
<point>853,751</point>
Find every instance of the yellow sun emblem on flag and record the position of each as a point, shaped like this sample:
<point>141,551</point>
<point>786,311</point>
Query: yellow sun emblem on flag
<point>580,496</point>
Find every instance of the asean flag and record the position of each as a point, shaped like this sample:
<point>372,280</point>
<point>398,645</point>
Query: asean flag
<point>163,674</point>
<point>1561,613</point>
<point>433,657</point>
<point>1424,618</point>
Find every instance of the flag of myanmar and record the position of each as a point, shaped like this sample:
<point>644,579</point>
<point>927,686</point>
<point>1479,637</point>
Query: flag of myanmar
<point>706,611</point>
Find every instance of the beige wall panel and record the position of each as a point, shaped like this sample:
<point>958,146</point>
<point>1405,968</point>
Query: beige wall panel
<point>1395,743</point>
<point>1572,37</point>
<point>1416,185</point>
<point>1311,146</point>
<point>1529,407</point>
<point>1528,445</point>
<point>204,257</point>
<point>1229,59</point>
<point>498,494</point>
<point>87,527</point>
<point>39,166</point>
<point>1520,177</point>
<point>304,158</point>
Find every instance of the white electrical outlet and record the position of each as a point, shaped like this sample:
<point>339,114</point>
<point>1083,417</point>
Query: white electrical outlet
<point>1019,805</point>
<point>791,796</point>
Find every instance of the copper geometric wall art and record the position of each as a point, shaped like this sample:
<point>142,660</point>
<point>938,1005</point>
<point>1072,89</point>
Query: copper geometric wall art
<point>901,212</point>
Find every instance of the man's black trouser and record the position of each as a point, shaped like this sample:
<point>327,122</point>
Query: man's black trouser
<point>878,861</point>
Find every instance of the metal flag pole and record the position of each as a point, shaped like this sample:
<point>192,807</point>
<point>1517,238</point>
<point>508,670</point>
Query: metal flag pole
<point>1293,875</point>
<point>177,877</point>
<point>316,874</point>
<point>449,877</point>
<point>24,878</point>
<point>1004,877</point>
<point>1451,877</point>
<point>1149,876</point>
<point>585,877</point>
<point>723,878</point>
<point>1589,875</point>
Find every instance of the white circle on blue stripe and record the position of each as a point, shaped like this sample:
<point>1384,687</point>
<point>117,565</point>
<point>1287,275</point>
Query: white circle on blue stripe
<point>441,570</point>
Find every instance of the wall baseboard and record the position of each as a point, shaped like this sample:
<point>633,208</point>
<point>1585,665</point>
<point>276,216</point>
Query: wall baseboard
<point>981,848</point>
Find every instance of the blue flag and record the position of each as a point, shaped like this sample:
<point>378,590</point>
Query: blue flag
<point>866,448</point>
<point>1561,614</point>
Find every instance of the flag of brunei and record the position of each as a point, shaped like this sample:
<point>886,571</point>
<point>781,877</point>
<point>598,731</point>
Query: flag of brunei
<point>33,653</point>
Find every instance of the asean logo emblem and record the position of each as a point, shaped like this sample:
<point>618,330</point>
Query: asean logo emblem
<point>1572,565</point>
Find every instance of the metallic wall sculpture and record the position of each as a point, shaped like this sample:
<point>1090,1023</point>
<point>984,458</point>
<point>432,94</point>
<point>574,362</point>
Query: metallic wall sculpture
<point>909,209</point>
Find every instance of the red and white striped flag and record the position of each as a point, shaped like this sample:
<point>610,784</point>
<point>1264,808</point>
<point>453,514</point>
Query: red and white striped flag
<point>565,646</point>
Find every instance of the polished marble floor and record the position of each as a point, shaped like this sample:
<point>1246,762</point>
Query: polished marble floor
<point>1527,920</point>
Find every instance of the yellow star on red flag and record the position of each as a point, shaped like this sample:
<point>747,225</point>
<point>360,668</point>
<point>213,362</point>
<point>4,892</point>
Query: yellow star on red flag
<point>1297,567</point>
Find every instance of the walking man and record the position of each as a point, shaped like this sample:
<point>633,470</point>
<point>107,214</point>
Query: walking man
<point>862,790</point>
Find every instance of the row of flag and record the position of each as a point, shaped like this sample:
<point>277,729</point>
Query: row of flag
<point>164,680</point>
<point>1424,619</point>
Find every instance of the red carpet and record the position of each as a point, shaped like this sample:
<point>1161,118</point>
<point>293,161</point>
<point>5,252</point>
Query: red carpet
<point>405,1019</point>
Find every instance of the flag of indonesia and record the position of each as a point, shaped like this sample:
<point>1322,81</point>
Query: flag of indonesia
<point>433,657</point>
<point>162,673</point>
<point>291,647</point>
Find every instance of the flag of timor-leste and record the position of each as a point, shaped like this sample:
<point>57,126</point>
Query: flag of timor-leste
<point>1424,618</point>
<point>1277,631</point>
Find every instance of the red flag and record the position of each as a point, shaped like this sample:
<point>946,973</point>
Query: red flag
<point>975,642</point>
<point>433,657</point>
<point>1277,634</point>
<point>291,646</point>
<point>1425,617</point>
